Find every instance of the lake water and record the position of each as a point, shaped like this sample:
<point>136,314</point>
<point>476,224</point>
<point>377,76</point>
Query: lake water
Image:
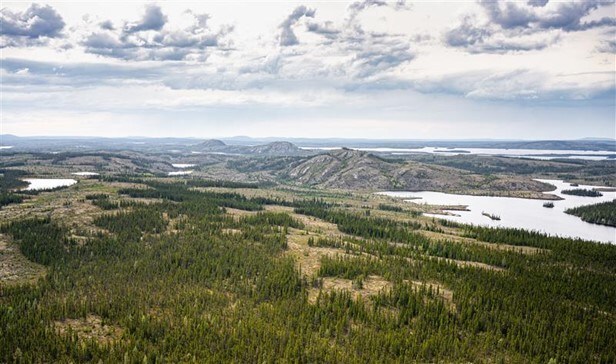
<point>519,153</point>
<point>47,183</point>
<point>179,173</point>
<point>182,165</point>
<point>522,213</point>
<point>86,174</point>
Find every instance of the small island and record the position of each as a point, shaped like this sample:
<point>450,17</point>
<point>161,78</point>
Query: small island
<point>491,216</point>
<point>582,192</point>
<point>548,205</point>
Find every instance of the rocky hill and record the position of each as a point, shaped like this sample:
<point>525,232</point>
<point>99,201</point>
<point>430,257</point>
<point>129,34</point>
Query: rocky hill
<point>352,169</point>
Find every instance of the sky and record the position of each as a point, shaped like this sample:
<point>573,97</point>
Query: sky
<point>533,69</point>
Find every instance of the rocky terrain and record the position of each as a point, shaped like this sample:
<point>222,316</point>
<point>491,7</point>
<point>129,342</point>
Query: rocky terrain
<point>351,169</point>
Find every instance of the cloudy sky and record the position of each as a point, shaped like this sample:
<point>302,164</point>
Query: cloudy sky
<point>534,69</point>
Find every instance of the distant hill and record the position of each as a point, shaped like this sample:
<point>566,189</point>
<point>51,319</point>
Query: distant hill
<point>276,148</point>
<point>212,144</point>
<point>285,146</point>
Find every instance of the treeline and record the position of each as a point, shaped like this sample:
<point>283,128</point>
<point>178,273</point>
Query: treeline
<point>130,225</point>
<point>40,240</point>
<point>9,198</point>
<point>179,192</point>
<point>367,227</point>
<point>583,253</point>
<point>219,183</point>
<point>602,213</point>
<point>103,201</point>
<point>401,238</point>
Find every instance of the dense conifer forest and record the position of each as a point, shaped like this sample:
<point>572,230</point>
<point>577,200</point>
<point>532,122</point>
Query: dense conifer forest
<point>582,192</point>
<point>602,213</point>
<point>170,273</point>
<point>9,181</point>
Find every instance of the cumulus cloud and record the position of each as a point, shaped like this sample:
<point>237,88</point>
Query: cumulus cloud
<point>356,8</point>
<point>361,53</point>
<point>153,19</point>
<point>150,39</point>
<point>326,29</point>
<point>467,33</point>
<point>287,36</point>
<point>566,16</point>
<point>31,27</point>
<point>512,26</point>
<point>107,25</point>
<point>482,39</point>
<point>346,56</point>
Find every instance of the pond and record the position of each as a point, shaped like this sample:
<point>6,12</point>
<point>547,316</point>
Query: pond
<point>47,183</point>
<point>179,173</point>
<point>521,213</point>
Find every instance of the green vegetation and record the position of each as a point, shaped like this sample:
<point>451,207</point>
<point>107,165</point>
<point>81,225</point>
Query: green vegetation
<point>182,280</point>
<point>9,182</point>
<point>9,198</point>
<point>602,213</point>
<point>582,192</point>
<point>219,183</point>
<point>386,207</point>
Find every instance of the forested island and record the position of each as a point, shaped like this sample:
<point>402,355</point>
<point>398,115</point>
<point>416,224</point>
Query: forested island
<point>582,192</point>
<point>602,213</point>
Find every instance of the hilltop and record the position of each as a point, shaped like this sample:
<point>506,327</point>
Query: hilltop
<point>352,169</point>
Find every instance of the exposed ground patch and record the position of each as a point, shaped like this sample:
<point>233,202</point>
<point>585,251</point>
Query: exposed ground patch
<point>90,328</point>
<point>372,285</point>
<point>14,267</point>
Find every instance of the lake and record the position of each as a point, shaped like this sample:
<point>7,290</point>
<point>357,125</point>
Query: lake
<point>85,174</point>
<point>522,213</point>
<point>47,183</point>
<point>182,165</point>
<point>179,173</point>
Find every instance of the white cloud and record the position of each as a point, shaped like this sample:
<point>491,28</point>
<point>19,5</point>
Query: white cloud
<point>369,60</point>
